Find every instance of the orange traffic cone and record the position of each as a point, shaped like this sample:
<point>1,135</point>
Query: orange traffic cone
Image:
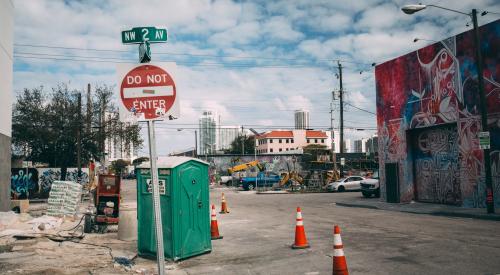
<point>214,228</point>
<point>300,233</point>
<point>339,262</point>
<point>223,208</point>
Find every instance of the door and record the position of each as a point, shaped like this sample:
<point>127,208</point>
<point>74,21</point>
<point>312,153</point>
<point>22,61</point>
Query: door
<point>392,182</point>
<point>356,183</point>
<point>436,166</point>
<point>194,211</point>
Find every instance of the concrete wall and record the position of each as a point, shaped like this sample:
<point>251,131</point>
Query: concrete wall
<point>6,60</point>
<point>428,117</point>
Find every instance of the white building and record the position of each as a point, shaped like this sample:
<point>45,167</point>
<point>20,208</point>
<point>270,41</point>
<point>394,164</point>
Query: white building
<point>6,72</point>
<point>347,146</point>
<point>360,146</point>
<point>116,148</point>
<point>301,119</point>
<point>226,135</point>
<point>208,124</point>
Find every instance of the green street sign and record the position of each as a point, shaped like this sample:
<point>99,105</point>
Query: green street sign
<point>142,34</point>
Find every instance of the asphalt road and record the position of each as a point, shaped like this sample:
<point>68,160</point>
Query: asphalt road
<point>259,230</point>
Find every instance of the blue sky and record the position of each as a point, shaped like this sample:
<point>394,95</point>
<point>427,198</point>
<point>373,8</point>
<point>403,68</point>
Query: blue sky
<point>253,62</point>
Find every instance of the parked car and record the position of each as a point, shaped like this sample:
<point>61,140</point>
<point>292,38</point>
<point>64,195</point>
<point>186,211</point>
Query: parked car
<point>225,179</point>
<point>262,180</point>
<point>351,183</point>
<point>371,186</point>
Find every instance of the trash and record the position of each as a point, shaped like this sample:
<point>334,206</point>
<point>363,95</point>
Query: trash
<point>124,261</point>
<point>44,223</point>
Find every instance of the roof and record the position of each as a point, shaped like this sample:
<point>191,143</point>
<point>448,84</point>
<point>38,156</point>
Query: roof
<point>170,162</point>
<point>315,134</point>
<point>277,134</point>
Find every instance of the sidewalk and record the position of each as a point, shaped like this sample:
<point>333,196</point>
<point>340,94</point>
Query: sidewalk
<point>421,208</point>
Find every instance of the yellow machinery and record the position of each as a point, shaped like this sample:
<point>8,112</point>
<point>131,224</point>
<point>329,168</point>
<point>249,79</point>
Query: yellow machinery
<point>245,166</point>
<point>291,176</point>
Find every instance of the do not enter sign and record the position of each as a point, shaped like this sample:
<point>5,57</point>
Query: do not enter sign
<point>147,92</point>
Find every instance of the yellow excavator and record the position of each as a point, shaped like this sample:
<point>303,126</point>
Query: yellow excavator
<point>245,166</point>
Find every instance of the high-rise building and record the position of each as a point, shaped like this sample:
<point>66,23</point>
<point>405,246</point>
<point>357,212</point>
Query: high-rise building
<point>226,136</point>
<point>301,119</point>
<point>208,125</point>
<point>6,58</point>
<point>117,147</point>
<point>372,144</point>
<point>360,145</point>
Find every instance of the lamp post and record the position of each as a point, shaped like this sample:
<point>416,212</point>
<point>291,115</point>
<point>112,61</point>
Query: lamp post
<point>410,9</point>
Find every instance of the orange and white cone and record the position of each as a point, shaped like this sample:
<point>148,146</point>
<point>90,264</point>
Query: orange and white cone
<point>223,208</point>
<point>300,233</point>
<point>214,228</point>
<point>339,262</point>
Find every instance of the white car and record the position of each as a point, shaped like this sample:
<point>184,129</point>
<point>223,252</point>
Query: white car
<point>351,183</point>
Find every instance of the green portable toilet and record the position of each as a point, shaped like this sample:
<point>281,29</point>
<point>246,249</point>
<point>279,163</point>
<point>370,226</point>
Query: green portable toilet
<point>184,201</point>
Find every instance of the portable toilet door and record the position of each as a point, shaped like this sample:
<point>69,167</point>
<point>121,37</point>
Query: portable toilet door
<point>193,209</point>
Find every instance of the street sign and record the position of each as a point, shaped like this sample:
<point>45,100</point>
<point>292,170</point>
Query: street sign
<point>142,34</point>
<point>147,92</point>
<point>342,161</point>
<point>484,140</point>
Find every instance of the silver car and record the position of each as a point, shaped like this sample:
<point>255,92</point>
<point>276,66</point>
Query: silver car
<point>352,183</point>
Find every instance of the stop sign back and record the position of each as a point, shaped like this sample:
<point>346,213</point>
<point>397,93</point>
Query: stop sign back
<point>147,92</point>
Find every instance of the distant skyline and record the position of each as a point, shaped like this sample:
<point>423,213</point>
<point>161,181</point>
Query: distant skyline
<point>254,63</point>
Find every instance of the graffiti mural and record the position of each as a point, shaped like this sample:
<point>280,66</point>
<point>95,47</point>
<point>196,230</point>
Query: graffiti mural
<point>270,163</point>
<point>437,85</point>
<point>23,183</point>
<point>37,182</point>
<point>435,157</point>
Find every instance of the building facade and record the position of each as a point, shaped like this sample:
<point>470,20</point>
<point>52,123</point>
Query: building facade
<point>371,144</point>
<point>301,119</point>
<point>208,124</point>
<point>279,142</point>
<point>226,136</point>
<point>6,76</point>
<point>359,146</point>
<point>429,117</point>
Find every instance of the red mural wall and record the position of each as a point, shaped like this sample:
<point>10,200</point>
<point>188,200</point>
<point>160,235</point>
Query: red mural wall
<point>436,88</point>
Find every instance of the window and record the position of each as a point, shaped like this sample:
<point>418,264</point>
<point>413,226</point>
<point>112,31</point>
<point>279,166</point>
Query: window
<point>279,140</point>
<point>271,150</point>
<point>287,140</point>
<point>323,141</point>
<point>315,140</point>
<point>270,140</point>
<point>281,149</point>
<point>308,141</point>
<point>286,149</point>
<point>292,140</point>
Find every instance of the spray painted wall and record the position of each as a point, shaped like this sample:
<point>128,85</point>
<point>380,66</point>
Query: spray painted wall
<point>437,85</point>
<point>35,183</point>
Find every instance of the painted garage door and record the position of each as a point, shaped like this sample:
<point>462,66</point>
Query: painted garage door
<point>435,160</point>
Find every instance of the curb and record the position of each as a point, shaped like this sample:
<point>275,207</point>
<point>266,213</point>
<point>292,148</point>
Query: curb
<point>435,213</point>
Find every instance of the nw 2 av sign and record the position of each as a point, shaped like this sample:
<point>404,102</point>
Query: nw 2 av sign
<point>147,92</point>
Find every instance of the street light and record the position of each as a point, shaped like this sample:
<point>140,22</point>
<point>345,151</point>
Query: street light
<point>410,9</point>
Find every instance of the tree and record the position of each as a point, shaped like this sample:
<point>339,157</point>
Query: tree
<point>140,160</point>
<point>236,145</point>
<point>45,126</point>
<point>119,165</point>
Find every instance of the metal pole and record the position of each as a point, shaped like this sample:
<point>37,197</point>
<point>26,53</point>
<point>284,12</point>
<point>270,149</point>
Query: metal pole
<point>490,205</point>
<point>160,256</point>
<point>341,98</point>
<point>195,143</point>
<point>332,133</point>
<point>79,139</point>
<point>242,142</point>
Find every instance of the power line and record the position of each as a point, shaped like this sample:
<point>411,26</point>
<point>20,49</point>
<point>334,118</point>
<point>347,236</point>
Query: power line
<point>361,109</point>
<point>196,55</point>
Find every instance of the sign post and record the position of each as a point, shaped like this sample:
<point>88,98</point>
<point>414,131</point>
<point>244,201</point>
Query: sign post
<point>148,93</point>
<point>484,140</point>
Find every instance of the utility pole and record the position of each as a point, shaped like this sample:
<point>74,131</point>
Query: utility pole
<point>242,141</point>
<point>341,98</point>
<point>88,117</point>
<point>490,203</point>
<point>79,137</point>
<point>195,143</point>
<point>332,133</point>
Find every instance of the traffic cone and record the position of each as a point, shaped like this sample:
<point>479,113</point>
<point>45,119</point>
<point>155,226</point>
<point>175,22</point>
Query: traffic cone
<point>339,262</point>
<point>223,208</point>
<point>300,233</point>
<point>214,228</point>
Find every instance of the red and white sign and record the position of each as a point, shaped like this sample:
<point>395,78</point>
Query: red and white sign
<point>147,92</point>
